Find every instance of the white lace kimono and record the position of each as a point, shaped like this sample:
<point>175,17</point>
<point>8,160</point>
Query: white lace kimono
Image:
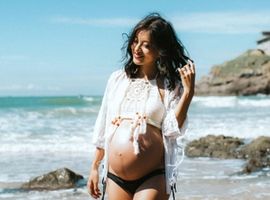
<point>103,129</point>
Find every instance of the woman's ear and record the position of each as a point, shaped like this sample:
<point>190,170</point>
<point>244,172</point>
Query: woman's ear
<point>161,67</point>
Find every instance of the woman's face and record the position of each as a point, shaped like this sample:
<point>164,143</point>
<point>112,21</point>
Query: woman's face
<point>143,52</point>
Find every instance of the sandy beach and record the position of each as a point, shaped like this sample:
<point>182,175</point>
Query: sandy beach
<point>201,179</point>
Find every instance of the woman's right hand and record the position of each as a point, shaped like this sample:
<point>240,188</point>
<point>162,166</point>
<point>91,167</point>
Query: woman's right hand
<point>92,184</point>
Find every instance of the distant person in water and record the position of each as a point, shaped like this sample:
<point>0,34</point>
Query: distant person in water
<point>143,113</point>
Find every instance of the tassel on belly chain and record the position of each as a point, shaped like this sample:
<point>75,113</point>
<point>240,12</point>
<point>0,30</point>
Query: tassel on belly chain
<point>138,126</point>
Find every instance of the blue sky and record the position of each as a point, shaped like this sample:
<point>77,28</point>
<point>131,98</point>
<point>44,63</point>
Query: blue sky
<point>70,47</point>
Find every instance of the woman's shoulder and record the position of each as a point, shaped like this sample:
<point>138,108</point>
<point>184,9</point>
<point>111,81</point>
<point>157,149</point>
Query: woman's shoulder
<point>177,83</point>
<point>118,74</point>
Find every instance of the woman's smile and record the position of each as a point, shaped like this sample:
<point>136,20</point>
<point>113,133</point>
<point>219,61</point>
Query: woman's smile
<point>138,56</point>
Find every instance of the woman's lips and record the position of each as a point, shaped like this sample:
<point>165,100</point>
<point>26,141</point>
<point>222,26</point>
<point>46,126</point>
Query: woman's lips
<point>138,56</point>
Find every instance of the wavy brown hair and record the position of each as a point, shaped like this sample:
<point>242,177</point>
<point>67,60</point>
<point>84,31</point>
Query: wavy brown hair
<point>171,51</point>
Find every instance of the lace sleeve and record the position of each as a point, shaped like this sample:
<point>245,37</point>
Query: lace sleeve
<point>100,124</point>
<point>170,124</point>
<point>98,138</point>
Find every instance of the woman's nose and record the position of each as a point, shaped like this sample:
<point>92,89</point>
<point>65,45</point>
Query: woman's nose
<point>137,47</point>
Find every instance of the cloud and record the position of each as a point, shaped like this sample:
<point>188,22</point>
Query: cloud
<point>233,22</point>
<point>29,87</point>
<point>7,59</point>
<point>104,22</point>
<point>223,22</point>
<point>13,57</point>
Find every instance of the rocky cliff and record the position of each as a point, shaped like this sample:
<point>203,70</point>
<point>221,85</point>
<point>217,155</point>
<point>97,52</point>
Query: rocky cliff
<point>248,74</point>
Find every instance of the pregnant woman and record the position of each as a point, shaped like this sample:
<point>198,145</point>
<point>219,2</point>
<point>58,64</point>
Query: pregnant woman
<point>142,115</point>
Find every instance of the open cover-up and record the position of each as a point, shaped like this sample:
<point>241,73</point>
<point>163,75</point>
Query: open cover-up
<point>115,91</point>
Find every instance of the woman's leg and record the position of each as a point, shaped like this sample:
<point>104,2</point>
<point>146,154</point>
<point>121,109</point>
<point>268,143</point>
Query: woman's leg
<point>153,188</point>
<point>115,192</point>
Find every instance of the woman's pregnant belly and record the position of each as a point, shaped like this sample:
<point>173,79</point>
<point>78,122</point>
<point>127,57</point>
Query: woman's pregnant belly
<point>128,165</point>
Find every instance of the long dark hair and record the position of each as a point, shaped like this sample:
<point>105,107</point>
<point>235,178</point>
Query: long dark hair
<point>172,53</point>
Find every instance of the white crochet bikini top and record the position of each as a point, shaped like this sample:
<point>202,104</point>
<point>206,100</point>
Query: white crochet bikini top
<point>142,105</point>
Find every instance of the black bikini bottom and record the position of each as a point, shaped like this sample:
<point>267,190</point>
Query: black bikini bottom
<point>132,186</point>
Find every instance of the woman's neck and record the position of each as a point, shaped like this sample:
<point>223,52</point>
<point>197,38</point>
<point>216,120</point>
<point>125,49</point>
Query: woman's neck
<point>147,73</point>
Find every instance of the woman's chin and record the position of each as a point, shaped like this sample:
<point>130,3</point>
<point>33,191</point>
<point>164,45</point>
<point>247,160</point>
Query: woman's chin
<point>137,62</point>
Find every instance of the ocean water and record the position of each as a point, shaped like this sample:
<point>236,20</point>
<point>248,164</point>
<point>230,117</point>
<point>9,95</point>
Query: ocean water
<point>41,134</point>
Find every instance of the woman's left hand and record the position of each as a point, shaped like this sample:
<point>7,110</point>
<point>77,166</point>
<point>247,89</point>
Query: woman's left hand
<point>187,74</point>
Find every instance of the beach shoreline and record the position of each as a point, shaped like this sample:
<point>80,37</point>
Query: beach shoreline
<point>200,178</point>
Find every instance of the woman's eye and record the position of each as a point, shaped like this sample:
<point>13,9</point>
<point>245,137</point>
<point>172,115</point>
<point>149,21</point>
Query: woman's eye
<point>134,43</point>
<point>147,46</point>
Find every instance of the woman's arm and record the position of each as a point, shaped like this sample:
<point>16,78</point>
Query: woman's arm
<point>187,74</point>
<point>97,158</point>
<point>93,180</point>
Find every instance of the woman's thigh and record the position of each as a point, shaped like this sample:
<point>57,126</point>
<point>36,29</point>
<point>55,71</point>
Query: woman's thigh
<point>152,189</point>
<point>115,192</point>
